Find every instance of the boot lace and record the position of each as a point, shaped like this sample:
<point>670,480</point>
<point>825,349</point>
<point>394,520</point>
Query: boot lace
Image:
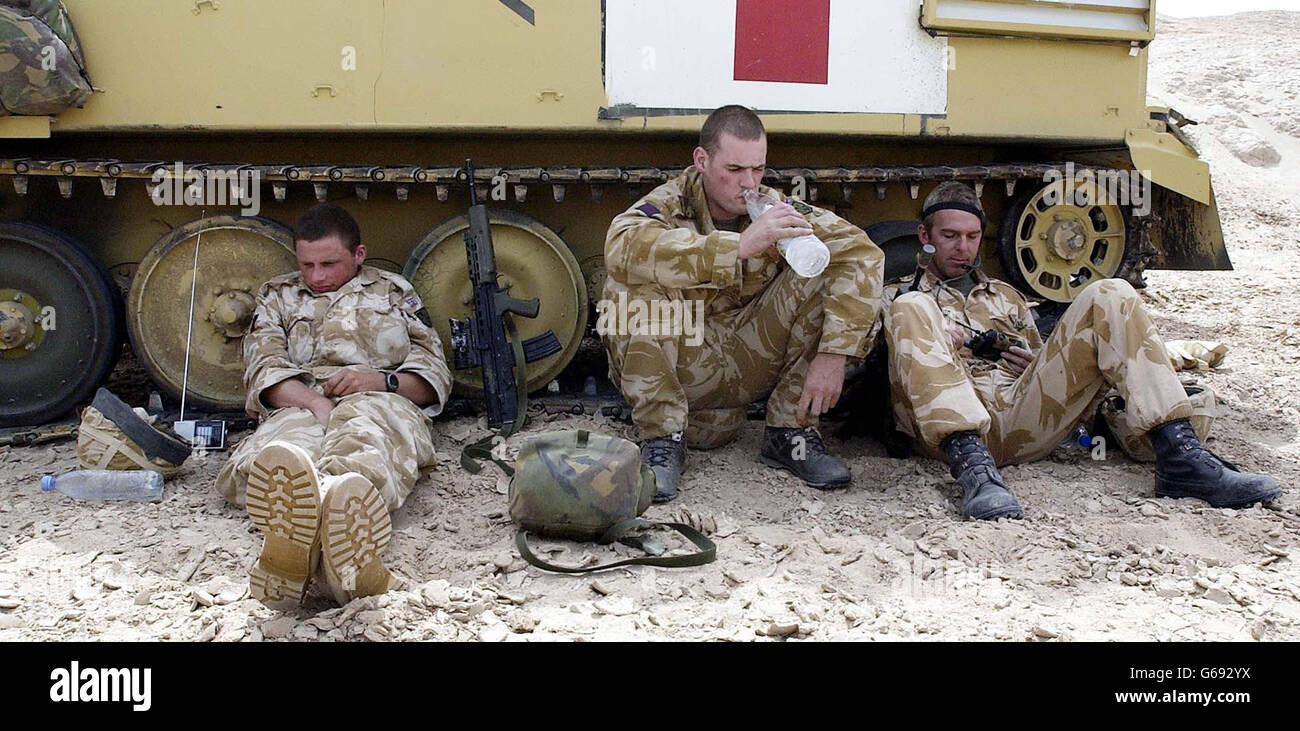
<point>659,452</point>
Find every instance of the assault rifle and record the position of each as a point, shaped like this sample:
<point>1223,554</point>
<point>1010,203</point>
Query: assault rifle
<point>488,338</point>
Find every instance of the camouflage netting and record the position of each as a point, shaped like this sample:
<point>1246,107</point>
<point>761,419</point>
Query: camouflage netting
<point>42,68</point>
<point>101,445</point>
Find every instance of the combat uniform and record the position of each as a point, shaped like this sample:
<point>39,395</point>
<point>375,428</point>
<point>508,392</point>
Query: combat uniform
<point>1105,338</point>
<point>370,323</point>
<point>762,323</point>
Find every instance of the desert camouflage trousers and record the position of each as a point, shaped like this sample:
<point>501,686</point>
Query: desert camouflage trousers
<point>381,436</point>
<point>1106,338</point>
<point>701,382</point>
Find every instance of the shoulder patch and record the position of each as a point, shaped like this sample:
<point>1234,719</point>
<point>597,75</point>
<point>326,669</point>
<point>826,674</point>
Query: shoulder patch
<point>649,209</point>
<point>413,302</point>
<point>803,208</point>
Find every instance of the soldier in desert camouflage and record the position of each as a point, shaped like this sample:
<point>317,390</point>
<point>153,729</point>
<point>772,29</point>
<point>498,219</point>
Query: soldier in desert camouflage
<point>980,413</point>
<point>765,332</point>
<point>345,377</point>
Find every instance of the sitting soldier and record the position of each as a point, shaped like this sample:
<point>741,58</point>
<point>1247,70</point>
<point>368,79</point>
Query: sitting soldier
<point>345,377</point>
<point>980,413</point>
<point>766,331</point>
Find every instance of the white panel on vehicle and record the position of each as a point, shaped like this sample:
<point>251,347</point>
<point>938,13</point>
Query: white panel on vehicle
<point>813,56</point>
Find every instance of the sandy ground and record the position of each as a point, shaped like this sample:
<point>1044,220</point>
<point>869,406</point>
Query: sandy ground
<point>1097,557</point>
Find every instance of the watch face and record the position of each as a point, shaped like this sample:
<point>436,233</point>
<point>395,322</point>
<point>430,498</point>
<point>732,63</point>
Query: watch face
<point>390,380</point>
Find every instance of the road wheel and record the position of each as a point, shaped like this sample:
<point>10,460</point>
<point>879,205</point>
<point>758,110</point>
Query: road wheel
<point>532,260</point>
<point>236,256</point>
<point>60,324</point>
<point>1057,240</point>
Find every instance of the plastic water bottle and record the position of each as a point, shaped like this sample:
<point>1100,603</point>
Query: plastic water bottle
<point>138,485</point>
<point>1078,439</point>
<point>807,255</point>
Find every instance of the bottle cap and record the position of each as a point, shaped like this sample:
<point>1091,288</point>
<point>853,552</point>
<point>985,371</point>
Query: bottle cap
<point>47,483</point>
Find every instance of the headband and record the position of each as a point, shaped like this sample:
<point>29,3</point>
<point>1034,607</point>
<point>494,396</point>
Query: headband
<point>953,205</point>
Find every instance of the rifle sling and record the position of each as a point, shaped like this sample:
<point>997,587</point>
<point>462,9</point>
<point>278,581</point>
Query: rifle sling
<point>707,553</point>
<point>482,449</point>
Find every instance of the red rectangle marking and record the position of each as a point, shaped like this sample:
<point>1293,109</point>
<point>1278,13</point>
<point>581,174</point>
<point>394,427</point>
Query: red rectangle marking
<point>783,40</point>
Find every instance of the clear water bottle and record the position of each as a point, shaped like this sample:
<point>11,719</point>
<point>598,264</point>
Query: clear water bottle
<point>138,485</point>
<point>807,255</point>
<point>1077,440</point>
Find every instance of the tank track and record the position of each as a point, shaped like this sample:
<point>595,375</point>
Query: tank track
<point>598,180</point>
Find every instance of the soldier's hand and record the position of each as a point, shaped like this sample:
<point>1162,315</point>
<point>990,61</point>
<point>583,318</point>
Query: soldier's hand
<point>822,385</point>
<point>1016,359</point>
<point>957,336</point>
<point>779,222</point>
<point>349,381</point>
<point>321,408</point>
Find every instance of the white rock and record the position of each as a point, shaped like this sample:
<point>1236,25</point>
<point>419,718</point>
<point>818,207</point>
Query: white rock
<point>11,621</point>
<point>435,594</point>
<point>278,628</point>
<point>83,592</point>
<point>521,622</point>
<point>618,607</point>
<point>779,629</point>
<point>1215,594</point>
<point>9,602</point>
<point>304,632</point>
<point>495,632</point>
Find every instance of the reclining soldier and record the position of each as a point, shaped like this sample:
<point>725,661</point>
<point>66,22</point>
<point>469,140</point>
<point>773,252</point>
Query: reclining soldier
<point>345,377</point>
<point>979,413</point>
<point>766,332</point>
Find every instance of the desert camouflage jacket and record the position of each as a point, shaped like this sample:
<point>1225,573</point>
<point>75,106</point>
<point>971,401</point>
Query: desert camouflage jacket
<point>991,305</point>
<point>369,322</point>
<point>669,238</point>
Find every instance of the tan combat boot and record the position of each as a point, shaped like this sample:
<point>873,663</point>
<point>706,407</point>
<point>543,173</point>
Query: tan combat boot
<point>355,529</point>
<point>283,499</point>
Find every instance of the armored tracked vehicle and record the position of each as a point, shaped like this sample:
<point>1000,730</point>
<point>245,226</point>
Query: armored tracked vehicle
<point>152,159</point>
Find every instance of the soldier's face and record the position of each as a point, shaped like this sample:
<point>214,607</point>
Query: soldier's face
<point>326,264</point>
<point>736,166</point>
<point>955,236</point>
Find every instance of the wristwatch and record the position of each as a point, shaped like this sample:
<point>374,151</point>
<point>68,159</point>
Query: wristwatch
<point>390,381</point>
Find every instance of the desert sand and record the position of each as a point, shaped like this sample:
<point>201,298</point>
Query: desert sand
<point>1097,557</point>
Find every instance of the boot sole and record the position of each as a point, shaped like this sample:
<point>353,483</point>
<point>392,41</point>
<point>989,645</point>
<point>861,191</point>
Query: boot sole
<point>1263,497</point>
<point>1016,514</point>
<point>356,530</point>
<point>772,462</point>
<point>283,501</point>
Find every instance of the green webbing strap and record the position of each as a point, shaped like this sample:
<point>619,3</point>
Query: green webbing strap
<point>707,553</point>
<point>482,449</point>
